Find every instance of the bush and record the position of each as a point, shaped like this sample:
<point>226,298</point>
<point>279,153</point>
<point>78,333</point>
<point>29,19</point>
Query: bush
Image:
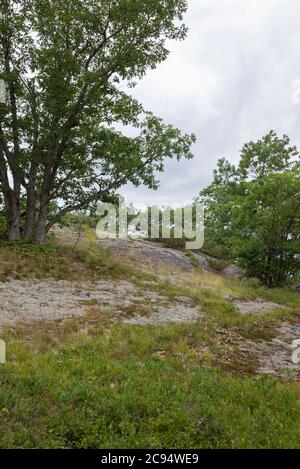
<point>213,249</point>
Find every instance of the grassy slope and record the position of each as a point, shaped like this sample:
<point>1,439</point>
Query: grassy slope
<point>88,383</point>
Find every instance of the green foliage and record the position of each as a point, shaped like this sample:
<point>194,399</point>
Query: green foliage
<point>268,223</point>
<point>58,127</point>
<point>77,218</point>
<point>113,389</point>
<point>254,209</point>
<point>213,249</point>
<point>218,201</point>
<point>217,264</point>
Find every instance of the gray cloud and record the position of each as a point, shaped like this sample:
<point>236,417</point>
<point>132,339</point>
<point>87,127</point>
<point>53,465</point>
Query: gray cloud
<point>229,82</point>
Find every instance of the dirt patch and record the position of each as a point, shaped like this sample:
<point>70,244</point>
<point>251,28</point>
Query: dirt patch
<point>50,300</point>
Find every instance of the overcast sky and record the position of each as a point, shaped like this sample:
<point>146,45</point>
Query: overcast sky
<point>229,82</point>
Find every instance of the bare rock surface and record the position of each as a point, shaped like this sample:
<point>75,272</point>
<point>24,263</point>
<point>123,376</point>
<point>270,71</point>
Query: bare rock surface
<point>50,300</point>
<point>161,315</point>
<point>231,271</point>
<point>183,311</point>
<point>203,261</point>
<point>149,251</point>
<point>297,287</point>
<point>146,251</point>
<point>255,307</point>
<point>279,355</point>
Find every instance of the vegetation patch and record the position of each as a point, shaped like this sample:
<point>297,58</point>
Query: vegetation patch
<point>131,387</point>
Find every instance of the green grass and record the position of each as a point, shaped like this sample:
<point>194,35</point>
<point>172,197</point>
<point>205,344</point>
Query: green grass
<point>132,387</point>
<point>88,383</point>
<point>60,261</point>
<point>212,293</point>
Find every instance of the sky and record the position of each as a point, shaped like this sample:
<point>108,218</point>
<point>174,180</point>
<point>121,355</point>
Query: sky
<point>232,80</point>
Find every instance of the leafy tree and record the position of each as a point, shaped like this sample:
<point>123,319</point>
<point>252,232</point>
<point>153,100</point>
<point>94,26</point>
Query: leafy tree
<point>254,209</point>
<point>218,201</point>
<point>266,228</point>
<point>63,63</point>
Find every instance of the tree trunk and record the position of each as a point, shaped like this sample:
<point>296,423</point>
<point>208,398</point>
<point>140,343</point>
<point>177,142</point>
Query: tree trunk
<point>31,205</point>
<point>41,229</point>
<point>14,220</point>
<point>40,235</point>
<point>30,223</point>
<point>30,216</point>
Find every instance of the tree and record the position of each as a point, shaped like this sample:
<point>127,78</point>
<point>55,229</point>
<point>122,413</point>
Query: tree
<point>266,228</point>
<point>217,199</point>
<point>254,209</point>
<point>63,64</point>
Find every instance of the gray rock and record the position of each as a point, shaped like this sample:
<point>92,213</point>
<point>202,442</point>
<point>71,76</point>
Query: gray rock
<point>24,301</point>
<point>297,287</point>
<point>256,307</point>
<point>231,271</point>
<point>276,355</point>
<point>145,252</point>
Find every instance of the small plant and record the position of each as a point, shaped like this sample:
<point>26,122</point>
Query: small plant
<point>217,264</point>
<point>213,249</point>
